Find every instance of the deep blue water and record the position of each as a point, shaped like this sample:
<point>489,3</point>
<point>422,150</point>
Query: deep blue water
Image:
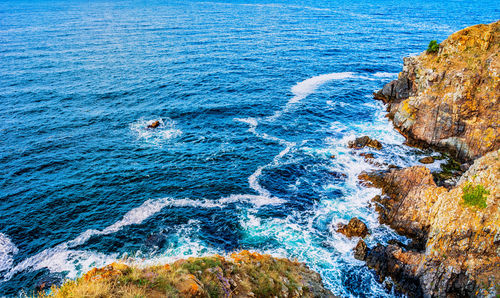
<point>254,99</point>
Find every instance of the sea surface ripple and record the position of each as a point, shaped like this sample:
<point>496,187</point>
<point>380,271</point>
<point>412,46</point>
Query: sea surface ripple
<point>253,98</point>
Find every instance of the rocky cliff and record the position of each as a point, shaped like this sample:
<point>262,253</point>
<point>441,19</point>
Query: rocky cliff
<point>243,274</point>
<point>456,247</point>
<point>447,100</point>
<point>450,99</point>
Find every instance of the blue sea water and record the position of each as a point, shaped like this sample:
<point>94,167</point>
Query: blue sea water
<point>254,98</point>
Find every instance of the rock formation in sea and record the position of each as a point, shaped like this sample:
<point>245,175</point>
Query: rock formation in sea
<point>243,274</point>
<point>450,99</point>
<point>447,100</point>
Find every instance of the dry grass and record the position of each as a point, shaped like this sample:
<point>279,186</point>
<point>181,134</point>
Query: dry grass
<point>238,276</point>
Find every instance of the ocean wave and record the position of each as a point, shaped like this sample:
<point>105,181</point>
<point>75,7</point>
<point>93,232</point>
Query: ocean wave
<point>57,258</point>
<point>386,74</point>
<point>7,250</point>
<point>307,87</point>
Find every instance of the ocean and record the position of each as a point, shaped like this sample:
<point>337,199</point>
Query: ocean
<point>256,101</point>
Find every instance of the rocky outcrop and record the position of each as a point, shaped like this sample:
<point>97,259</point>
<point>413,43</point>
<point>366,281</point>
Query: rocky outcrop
<point>243,274</point>
<point>154,124</point>
<point>400,265</point>
<point>426,160</point>
<point>450,99</point>
<point>363,142</point>
<point>407,197</point>
<point>355,228</point>
<point>458,251</point>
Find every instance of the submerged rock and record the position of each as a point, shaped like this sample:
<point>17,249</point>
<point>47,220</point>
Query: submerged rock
<point>367,155</point>
<point>364,141</point>
<point>426,160</point>
<point>355,228</point>
<point>450,100</point>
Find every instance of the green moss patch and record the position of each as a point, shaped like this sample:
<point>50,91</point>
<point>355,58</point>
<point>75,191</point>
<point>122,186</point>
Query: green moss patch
<point>475,196</point>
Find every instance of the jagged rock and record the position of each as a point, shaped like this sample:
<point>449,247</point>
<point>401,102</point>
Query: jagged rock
<point>450,100</point>
<point>155,124</point>
<point>364,141</point>
<point>392,261</point>
<point>408,195</point>
<point>464,167</point>
<point>459,254</point>
<point>360,250</point>
<point>355,228</point>
<point>426,160</point>
<point>367,155</point>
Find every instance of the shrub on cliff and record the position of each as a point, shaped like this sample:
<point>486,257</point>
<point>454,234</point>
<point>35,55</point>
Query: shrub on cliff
<point>433,47</point>
<point>475,195</point>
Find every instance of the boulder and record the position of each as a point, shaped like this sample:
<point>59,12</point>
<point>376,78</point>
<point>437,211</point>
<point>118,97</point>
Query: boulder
<point>367,155</point>
<point>155,124</point>
<point>364,141</point>
<point>426,160</point>
<point>360,250</point>
<point>355,228</point>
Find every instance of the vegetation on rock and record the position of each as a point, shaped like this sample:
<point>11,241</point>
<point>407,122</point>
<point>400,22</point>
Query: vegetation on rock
<point>449,100</point>
<point>475,195</point>
<point>448,235</point>
<point>433,47</point>
<point>243,274</point>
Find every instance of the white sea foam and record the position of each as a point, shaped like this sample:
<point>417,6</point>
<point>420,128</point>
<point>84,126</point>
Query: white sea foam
<point>256,200</point>
<point>57,258</point>
<point>7,250</point>
<point>298,238</point>
<point>165,131</point>
<point>307,87</point>
<point>185,242</point>
<point>386,74</point>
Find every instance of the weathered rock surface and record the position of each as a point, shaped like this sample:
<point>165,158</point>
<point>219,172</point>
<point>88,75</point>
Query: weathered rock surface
<point>392,261</point>
<point>363,142</point>
<point>450,100</point>
<point>408,195</point>
<point>355,228</point>
<point>460,253</point>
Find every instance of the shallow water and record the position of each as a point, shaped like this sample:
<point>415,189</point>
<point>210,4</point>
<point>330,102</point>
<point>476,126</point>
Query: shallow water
<point>253,97</point>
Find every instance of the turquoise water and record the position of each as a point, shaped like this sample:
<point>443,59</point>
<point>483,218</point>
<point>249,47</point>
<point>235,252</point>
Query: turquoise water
<point>253,97</point>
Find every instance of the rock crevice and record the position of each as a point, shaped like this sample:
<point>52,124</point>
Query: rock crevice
<point>450,100</point>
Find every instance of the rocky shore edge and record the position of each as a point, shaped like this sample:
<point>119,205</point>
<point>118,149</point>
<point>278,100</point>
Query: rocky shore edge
<point>447,98</point>
<point>243,274</point>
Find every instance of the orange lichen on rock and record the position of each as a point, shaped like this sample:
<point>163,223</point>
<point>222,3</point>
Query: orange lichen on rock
<point>450,100</point>
<point>460,243</point>
<point>111,270</point>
